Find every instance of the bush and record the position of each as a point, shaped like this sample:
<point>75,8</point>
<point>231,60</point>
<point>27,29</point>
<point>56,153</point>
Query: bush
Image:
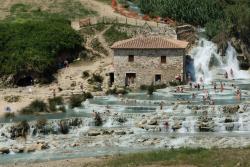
<point>32,46</point>
<point>158,86</point>
<point>37,106</point>
<point>64,127</point>
<point>113,35</point>
<point>151,89</point>
<point>85,74</point>
<point>40,123</point>
<point>53,102</point>
<point>12,99</point>
<point>76,100</point>
<point>117,91</point>
<point>9,115</point>
<point>96,78</point>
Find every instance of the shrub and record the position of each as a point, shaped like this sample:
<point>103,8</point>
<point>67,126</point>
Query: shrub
<point>9,115</point>
<point>85,74</point>
<point>12,99</point>
<point>88,95</point>
<point>113,35</point>
<point>158,86</point>
<point>32,46</point>
<point>62,109</point>
<point>37,106</point>
<point>76,100</point>
<point>40,123</point>
<point>64,127</point>
<point>96,78</point>
<point>151,89</point>
<point>53,102</point>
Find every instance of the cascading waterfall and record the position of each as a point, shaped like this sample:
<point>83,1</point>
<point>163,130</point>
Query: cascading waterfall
<point>208,62</point>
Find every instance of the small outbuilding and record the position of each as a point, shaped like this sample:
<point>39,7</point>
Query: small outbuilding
<point>148,59</point>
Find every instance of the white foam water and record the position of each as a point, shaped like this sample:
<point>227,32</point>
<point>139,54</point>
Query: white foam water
<point>208,62</point>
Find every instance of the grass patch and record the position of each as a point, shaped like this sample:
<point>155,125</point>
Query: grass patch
<point>67,9</point>
<point>96,44</point>
<point>184,156</point>
<point>12,99</point>
<point>106,1</point>
<point>113,35</point>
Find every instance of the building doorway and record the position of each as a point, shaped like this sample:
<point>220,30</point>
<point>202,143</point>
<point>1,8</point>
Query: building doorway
<point>111,79</point>
<point>130,79</point>
<point>158,78</point>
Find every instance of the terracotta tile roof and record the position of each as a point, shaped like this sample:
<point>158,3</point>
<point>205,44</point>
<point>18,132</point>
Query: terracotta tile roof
<point>151,42</point>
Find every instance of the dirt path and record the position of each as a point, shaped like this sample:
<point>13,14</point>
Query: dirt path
<point>105,10</point>
<point>68,79</point>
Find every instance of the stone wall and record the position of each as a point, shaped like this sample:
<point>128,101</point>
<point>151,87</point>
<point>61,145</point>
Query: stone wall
<point>147,63</point>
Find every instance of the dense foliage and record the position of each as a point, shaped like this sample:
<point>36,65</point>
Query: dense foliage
<point>191,11</point>
<point>227,17</point>
<point>33,46</point>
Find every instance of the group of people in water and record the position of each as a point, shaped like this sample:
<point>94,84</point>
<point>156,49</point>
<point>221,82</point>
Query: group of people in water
<point>206,98</point>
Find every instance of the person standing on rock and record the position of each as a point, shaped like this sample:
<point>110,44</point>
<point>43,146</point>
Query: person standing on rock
<point>238,94</point>
<point>54,92</point>
<point>81,87</point>
<point>166,125</point>
<point>221,87</point>
<point>226,75</point>
<point>161,105</point>
<point>232,73</point>
<point>215,86</point>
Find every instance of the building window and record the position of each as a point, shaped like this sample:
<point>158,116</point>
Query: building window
<point>131,58</point>
<point>130,79</point>
<point>163,59</point>
<point>158,78</point>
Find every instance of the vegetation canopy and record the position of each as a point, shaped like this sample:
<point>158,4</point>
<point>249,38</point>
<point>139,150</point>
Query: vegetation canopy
<point>34,47</point>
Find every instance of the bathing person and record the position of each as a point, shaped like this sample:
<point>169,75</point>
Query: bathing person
<point>178,78</point>
<point>215,86</point>
<point>198,86</point>
<point>238,94</point>
<point>181,89</point>
<point>211,102</point>
<point>204,100</point>
<point>161,105</point>
<point>191,85</point>
<point>166,125</point>
<point>201,80</point>
<point>226,75</point>
<point>231,72</point>
<point>193,96</point>
<point>221,87</point>
<point>7,109</point>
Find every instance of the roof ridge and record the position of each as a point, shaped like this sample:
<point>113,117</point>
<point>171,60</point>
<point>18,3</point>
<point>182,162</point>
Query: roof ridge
<point>150,42</point>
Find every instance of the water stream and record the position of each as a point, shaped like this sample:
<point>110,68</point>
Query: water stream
<point>137,122</point>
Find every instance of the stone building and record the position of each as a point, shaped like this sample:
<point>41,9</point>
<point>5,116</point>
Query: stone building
<point>146,60</point>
